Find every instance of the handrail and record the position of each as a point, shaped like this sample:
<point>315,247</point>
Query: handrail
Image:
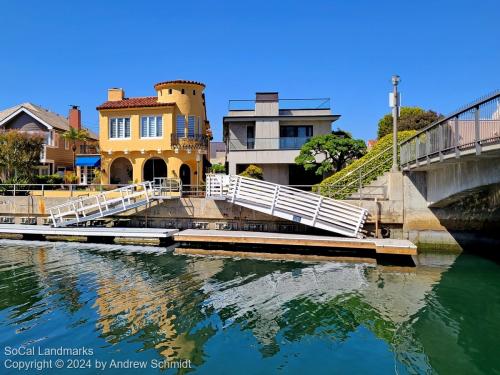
<point>471,127</point>
<point>362,165</point>
<point>94,197</point>
<point>288,203</point>
<point>482,100</point>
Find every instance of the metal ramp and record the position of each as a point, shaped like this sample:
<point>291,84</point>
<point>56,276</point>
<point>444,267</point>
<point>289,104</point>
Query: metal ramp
<point>112,202</point>
<point>288,203</point>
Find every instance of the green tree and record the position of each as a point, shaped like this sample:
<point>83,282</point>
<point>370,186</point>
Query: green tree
<point>330,152</point>
<point>19,153</point>
<point>252,171</point>
<point>75,135</point>
<point>410,118</point>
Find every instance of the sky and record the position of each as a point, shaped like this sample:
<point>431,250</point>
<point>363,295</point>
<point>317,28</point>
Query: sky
<point>58,53</point>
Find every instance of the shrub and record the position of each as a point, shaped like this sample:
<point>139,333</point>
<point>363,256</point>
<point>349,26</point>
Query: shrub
<point>253,171</point>
<point>71,178</point>
<point>379,160</point>
<point>49,179</point>
<point>218,168</point>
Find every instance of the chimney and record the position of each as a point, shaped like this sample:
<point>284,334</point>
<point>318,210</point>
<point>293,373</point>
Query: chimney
<point>115,94</point>
<point>266,104</point>
<point>75,117</point>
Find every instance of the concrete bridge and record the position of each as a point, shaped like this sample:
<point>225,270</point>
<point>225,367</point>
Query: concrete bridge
<point>451,176</point>
<point>459,154</point>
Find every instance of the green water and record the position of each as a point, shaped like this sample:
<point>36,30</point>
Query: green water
<point>229,316</point>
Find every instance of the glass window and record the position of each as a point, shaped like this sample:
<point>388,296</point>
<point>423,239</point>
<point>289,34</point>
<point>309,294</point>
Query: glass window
<point>151,126</point>
<point>180,124</point>
<point>119,127</point>
<point>293,137</point>
<point>191,126</point>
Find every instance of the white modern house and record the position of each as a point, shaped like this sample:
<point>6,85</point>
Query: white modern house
<point>269,132</point>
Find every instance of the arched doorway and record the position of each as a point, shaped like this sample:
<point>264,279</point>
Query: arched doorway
<point>154,167</point>
<point>120,171</point>
<point>185,174</point>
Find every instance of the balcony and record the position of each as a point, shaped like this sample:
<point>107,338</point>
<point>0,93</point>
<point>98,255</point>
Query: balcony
<point>88,149</point>
<point>284,104</point>
<point>279,143</point>
<point>193,142</point>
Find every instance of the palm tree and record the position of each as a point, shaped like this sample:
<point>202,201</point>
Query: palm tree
<point>75,135</point>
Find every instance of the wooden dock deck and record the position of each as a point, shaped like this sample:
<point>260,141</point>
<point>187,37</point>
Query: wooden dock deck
<point>117,232</point>
<point>381,246</point>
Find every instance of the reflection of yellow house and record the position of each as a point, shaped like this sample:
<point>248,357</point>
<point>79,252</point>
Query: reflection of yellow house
<point>156,136</point>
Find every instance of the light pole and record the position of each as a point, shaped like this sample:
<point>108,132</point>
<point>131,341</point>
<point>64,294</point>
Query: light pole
<point>394,103</point>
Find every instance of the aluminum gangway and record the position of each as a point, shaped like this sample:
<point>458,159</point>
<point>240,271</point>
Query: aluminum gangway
<point>288,203</point>
<point>111,202</point>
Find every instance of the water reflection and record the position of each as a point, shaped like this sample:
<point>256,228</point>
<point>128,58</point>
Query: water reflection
<point>437,317</point>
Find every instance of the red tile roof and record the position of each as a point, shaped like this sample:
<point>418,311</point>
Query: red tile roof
<point>180,81</point>
<point>146,101</point>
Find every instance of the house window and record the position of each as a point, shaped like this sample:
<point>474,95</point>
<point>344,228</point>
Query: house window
<point>194,92</point>
<point>66,144</point>
<point>250,137</point>
<point>169,91</point>
<point>199,130</point>
<point>293,137</point>
<point>180,124</point>
<point>119,127</point>
<point>182,91</point>
<point>191,126</point>
<point>49,138</point>
<point>151,127</point>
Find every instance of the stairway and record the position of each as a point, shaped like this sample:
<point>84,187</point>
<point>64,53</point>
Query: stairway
<point>288,203</point>
<point>112,202</point>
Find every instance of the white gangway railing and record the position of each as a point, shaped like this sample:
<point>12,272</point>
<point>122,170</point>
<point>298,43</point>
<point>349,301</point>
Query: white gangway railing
<point>112,202</point>
<point>288,203</point>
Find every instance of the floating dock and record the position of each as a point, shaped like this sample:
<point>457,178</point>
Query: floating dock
<point>379,245</point>
<point>114,232</point>
<point>199,236</point>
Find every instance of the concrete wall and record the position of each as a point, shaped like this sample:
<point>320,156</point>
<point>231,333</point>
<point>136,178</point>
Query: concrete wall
<point>191,212</point>
<point>447,183</point>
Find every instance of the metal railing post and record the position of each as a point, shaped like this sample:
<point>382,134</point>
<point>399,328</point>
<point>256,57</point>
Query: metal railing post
<point>457,138</point>
<point>417,150</point>
<point>477,128</point>
<point>441,143</point>
<point>427,145</point>
<point>360,185</point>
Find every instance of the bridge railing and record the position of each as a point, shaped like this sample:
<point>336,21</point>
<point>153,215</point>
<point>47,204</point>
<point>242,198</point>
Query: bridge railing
<point>469,129</point>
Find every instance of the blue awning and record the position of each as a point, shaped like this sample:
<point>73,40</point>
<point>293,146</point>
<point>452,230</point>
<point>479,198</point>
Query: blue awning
<point>88,161</point>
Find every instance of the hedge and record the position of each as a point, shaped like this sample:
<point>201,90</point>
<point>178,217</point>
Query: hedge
<point>349,183</point>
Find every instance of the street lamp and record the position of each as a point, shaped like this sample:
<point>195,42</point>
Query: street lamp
<point>394,103</point>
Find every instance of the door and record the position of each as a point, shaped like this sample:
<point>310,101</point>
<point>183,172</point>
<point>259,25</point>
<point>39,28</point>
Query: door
<point>185,175</point>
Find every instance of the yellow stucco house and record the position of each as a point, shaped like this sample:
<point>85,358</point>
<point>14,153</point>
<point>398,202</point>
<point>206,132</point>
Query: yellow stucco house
<point>166,135</point>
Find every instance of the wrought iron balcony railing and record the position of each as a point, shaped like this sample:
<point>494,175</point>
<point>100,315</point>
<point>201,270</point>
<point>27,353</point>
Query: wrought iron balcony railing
<point>197,141</point>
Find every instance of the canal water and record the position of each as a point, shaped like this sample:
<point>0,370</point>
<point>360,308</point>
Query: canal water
<point>87,306</point>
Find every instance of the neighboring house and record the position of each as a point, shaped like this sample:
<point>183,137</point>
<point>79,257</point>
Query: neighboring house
<point>269,132</point>
<point>56,156</point>
<point>218,153</point>
<point>166,135</point>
